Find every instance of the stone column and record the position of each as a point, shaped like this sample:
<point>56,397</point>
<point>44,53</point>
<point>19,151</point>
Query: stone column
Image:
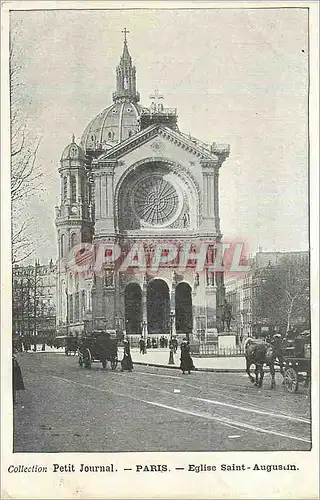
<point>97,194</point>
<point>173,307</point>
<point>61,189</point>
<point>144,307</point>
<point>216,199</point>
<point>209,202</point>
<point>103,180</point>
<point>105,194</point>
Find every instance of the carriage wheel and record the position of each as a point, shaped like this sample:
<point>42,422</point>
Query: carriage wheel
<point>114,363</point>
<point>291,380</point>
<point>104,363</point>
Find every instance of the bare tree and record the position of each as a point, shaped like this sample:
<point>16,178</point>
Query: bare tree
<point>282,295</point>
<point>25,174</point>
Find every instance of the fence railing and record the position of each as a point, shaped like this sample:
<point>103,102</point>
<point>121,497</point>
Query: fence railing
<point>213,350</point>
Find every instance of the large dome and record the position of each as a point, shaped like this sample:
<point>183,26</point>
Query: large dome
<point>120,120</point>
<point>114,124</point>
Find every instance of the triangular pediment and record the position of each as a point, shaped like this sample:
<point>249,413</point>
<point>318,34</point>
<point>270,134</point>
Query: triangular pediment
<point>150,133</point>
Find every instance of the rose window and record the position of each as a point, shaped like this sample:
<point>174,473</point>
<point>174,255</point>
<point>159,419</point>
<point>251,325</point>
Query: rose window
<point>155,200</point>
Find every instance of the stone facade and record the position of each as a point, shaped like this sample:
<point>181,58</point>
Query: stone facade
<point>143,184</point>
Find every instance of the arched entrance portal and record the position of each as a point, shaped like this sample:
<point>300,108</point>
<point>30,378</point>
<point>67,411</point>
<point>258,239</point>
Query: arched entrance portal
<point>184,309</point>
<point>158,307</point>
<point>133,308</point>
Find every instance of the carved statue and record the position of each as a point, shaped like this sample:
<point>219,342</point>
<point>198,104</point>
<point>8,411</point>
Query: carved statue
<point>186,219</point>
<point>197,280</point>
<point>109,278</point>
<point>227,315</point>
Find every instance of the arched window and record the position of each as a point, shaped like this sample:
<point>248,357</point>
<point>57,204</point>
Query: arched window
<point>74,240</point>
<point>73,183</point>
<point>62,240</point>
<point>76,303</point>
<point>110,134</point>
<point>70,281</point>
<point>130,133</point>
<point>70,309</point>
<point>65,188</point>
<point>83,302</point>
<point>85,237</point>
<point>83,189</point>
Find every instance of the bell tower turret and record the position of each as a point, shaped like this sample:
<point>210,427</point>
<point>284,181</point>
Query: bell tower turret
<point>74,217</point>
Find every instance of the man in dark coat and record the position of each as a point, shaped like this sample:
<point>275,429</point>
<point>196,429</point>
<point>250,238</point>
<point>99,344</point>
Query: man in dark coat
<point>186,363</point>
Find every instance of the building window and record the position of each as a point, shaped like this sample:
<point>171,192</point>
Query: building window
<point>70,315</point>
<point>73,183</point>
<point>83,302</point>
<point>83,190</point>
<point>65,188</point>
<point>74,240</point>
<point>130,133</point>
<point>76,305</point>
<point>85,237</point>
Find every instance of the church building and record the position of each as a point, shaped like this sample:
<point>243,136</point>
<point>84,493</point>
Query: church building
<point>136,180</point>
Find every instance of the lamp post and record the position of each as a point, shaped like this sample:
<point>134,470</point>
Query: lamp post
<point>144,333</point>
<point>171,359</point>
<point>171,323</point>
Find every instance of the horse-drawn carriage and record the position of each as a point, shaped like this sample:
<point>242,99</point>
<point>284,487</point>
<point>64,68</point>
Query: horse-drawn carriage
<point>101,346</point>
<point>69,343</point>
<point>297,361</point>
<point>292,355</point>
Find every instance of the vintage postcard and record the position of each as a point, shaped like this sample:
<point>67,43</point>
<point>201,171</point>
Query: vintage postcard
<point>160,186</point>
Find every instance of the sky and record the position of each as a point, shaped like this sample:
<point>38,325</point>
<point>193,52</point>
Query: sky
<point>236,76</point>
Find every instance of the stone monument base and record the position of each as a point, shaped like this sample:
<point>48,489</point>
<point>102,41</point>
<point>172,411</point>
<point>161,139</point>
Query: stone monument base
<point>227,340</point>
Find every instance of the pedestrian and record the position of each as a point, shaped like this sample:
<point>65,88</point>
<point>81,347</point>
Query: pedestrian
<point>126,363</point>
<point>175,344</point>
<point>17,379</point>
<point>186,363</point>
<point>142,345</point>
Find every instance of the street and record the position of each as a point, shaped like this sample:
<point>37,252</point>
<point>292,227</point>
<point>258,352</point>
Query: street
<point>66,408</point>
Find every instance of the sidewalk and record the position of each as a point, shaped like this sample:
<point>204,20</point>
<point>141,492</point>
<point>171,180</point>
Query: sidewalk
<point>160,357</point>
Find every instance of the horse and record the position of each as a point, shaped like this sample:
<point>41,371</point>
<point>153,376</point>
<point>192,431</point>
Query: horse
<point>259,354</point>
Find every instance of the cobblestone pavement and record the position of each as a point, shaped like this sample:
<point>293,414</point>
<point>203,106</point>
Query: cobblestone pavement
<point>66,408</point>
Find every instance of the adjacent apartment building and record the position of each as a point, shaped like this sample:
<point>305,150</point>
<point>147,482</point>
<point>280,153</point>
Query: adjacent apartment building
<point>34,300</point>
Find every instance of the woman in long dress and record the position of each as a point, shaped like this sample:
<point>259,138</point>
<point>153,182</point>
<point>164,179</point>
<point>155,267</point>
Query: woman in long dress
<point>186,363</point>
<point>126,363</point>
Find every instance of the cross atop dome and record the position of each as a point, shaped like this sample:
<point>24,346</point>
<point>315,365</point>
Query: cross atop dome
<point>125,32</point>
<point>156,96</point>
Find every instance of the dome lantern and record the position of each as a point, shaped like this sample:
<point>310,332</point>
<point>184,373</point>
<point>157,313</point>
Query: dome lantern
<point>126,77</point>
